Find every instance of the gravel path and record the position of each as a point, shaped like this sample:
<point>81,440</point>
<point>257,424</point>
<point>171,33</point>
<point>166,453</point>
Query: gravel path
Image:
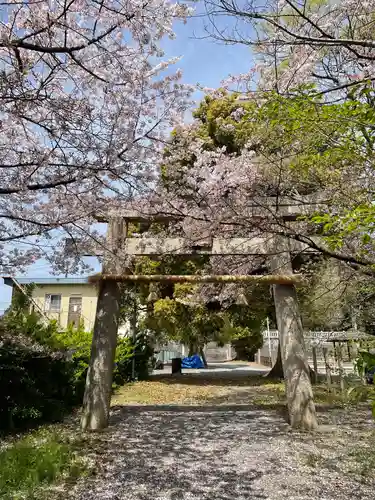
<point>225,453</point>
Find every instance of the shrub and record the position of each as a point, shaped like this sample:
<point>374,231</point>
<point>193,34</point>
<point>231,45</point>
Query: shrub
<point>364,364</point>
<point>143,354</point>
<point>19,321</point>
<point>246,343</point>
<point>38,459</point>
<point>77,344</point>
<point>43,371</point>
<point>34,385</point>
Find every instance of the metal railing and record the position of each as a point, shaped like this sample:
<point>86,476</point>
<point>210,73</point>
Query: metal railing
<point>308,334</point>
<point>312,338</point>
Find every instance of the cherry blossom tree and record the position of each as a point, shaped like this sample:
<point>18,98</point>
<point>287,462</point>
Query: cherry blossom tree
<point>87,99</point>
<point>220,173</point>
<point>328,43</point>
<point>323,52</point>
<point>315,53</point>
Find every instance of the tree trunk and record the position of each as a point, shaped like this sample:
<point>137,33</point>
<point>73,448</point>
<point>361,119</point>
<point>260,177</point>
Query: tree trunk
<point>298,387</point>
<point>327,367</point>
<point>201,351</point>
<point>277,369</point>
<point>97,398</point>
<point>341,367</point>
<point>192,350</point>
<point>314,372</point>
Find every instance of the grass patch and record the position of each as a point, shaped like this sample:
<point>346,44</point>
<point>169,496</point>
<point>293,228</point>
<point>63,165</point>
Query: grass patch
<point>192,390</point>
<point>275,394</point>
<point>313,460</point>
<point>357,460</point>
<point>269,394</point>
<point>200,390</point>
<point>37,460</point>
<point>153,393</point>
<point>334,396</point>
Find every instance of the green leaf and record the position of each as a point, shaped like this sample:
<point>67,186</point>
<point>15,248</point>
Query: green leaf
<point>366,238</point>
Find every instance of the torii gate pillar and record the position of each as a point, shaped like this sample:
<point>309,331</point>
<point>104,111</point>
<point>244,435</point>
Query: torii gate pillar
<point>98,390</point>
<point>298,387</point>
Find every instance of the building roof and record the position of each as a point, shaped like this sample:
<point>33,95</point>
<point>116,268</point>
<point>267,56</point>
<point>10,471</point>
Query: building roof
<point>8,280</point>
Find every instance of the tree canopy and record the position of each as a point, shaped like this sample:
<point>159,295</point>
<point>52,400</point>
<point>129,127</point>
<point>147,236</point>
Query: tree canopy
<point>238,150</point>
<point>85,108</point>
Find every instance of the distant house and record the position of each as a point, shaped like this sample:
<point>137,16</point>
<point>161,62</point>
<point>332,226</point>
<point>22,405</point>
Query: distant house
<point>66,300</point>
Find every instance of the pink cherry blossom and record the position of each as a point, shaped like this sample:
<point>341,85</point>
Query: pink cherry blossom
<point>86,107</point>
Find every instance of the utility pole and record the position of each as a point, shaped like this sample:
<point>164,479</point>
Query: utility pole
<point>269,341</point>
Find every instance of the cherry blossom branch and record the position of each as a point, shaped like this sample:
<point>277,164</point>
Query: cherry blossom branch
<point>36,187</point>
<point>21,44</point>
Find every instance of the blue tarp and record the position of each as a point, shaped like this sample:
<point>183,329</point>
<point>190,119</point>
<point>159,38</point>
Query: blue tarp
<point>192,362</point>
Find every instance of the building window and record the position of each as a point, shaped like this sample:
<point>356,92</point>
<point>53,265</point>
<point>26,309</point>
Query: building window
<point>52,303</point>
<point>75,310</point>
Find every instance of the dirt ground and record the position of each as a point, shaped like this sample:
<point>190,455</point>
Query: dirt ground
<point>218,438</point>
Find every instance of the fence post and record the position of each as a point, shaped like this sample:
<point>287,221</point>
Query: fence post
<point>269,342</point>
<point>229,352</point>
<point>328,368</point>
<point>341,366</point>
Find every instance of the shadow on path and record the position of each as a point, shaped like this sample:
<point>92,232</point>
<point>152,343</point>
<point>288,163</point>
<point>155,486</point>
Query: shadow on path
<point>179,452</point>
<point>214,452</point>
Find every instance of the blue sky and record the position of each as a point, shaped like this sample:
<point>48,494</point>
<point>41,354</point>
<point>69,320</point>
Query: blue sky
<point>203,61</point>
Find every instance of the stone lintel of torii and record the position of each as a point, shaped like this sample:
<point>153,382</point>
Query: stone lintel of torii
<point>288,208</point>
<point>217,246</point>
<point>157,247</point>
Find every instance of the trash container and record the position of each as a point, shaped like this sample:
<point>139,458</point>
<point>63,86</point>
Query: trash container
<point>176,365</point>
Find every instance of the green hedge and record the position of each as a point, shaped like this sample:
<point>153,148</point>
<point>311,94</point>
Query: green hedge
<point>77,344</point>
<point>44,382</point>
<point>34,386</point>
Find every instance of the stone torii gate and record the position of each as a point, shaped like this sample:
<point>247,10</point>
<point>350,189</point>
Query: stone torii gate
<point>276,248</point>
